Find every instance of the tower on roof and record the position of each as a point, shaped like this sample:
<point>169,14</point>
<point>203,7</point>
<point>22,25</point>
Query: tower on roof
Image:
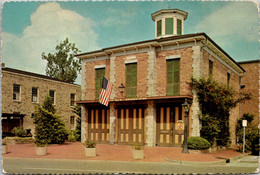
<point>169,22</point>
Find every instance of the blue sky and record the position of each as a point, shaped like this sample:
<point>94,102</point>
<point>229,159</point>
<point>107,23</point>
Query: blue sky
<point>30,28</point>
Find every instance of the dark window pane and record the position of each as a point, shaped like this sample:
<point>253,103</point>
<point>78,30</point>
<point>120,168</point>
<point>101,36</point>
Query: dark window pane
<point>169,26</point>
<point>16,92</point>
<point>173,77</point>
<point>179,26</point>
<point>100,73</point>
<point>131,80</point>
<point>159,28</point>
<point>34,95</point>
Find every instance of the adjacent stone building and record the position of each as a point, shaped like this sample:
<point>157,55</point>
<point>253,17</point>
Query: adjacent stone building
<point>151,82</point>
<point>22,90</point>
<point>250,84</point>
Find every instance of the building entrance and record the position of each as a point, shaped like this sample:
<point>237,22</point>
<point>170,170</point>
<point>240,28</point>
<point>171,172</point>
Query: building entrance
<point>98,124</point>
<point>131,125</point>
<point>169,125</point>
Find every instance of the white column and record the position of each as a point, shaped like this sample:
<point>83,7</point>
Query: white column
<point>163,26</point>
<point>112,74</point>
<point>151,124</point>
<point>151,76</point>
<point>112,126</point>
<point>175,26</point>
<point>83,97</point>
<point>195,104</point>
<point>83,124</point>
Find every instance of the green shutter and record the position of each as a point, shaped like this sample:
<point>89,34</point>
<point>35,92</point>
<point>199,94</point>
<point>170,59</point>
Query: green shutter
<point>228,79</point>
<point>179,26</point>
<point>131,80</point>
<point>210,69</point>
<point>173,77</point>
<point>169,26</point>
<point>100,73</point>
<point>159,28</point>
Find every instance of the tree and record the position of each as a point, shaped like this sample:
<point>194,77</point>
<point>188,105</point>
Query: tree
<point>251,134</point>
<point>77,110</point>
<point>216,101</point>
<point>49,127</point>
<point>62,65</point>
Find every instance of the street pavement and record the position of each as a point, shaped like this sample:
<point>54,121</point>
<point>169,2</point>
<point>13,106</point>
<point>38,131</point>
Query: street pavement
<point>11,165</point>
<point>69,158</point>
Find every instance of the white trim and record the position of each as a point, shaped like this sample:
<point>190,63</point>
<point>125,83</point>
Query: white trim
<point>171,57</point>
<point>31,76</point>
<point>130,61</point>
<point>222,61</point>
<point>211,59</point>
<point>174,25</point>
<point>130,57</point>
<point>100,66</point>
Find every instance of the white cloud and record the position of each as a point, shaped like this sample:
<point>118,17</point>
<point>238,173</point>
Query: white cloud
<point>118,16</point>
<point>50,25</point>
<point>231,21</point>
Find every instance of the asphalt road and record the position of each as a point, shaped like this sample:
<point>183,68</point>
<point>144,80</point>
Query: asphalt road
<point>60,166</point>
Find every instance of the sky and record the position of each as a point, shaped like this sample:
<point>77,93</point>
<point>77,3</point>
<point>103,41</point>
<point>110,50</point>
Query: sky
<point>31,28</point>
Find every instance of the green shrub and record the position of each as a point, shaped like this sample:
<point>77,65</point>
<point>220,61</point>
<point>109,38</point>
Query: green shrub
<point>71,137</point>
<point>198,143</point>
<point>20,132</point>
<point>251,134</point>
<point>78,130</point>
<point>49,127</point>
<point>256,146</point>
<point>137,146</point>
<point>90,144</point>
<point>77,110</point>
<point>216,101</point>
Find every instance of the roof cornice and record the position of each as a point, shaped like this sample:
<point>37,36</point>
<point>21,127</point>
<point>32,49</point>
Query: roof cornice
<point>185,14</point>
<point>162,42</point>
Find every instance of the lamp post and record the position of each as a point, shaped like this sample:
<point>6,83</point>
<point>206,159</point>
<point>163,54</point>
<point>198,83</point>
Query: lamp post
<point>186,108</point>
<point>121,88</point>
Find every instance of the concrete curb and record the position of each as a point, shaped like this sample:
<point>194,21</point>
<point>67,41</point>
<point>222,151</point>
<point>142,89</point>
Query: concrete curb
<point>223,161</point>
<point>238,157</point>
<point>220,162</point>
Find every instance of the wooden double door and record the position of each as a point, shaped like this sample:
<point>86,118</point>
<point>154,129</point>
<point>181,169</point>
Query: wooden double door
<point>131,125</point>
<point>169,125</point>
<point>98,124</point>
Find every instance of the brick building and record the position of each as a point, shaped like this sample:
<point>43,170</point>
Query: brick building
<point>250,84</point>
<point>150,83</point>
<point>22,90</point>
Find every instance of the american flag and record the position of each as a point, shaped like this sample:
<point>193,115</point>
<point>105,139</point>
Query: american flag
<point>105,92</point>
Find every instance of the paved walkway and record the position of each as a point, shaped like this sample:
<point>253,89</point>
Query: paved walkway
<point>108,152</point>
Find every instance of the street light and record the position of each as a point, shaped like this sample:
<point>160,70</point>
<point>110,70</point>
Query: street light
<point>186,108</point>
<point>121,88</point>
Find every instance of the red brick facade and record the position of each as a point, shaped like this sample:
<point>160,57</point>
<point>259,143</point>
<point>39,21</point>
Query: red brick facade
<point>152,62</point>
<point>251,82</point>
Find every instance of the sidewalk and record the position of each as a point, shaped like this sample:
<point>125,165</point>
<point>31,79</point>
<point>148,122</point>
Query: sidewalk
<point>108,152</point>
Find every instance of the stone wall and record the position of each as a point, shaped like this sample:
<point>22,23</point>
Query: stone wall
<point>26,106</point>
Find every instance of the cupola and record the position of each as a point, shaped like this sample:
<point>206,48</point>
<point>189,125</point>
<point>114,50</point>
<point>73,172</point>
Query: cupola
<point>169,22</point>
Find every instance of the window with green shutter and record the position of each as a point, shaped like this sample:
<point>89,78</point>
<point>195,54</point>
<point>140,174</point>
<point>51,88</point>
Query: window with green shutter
<point>210,69</point>
<point>159,28</point>
<point>100,73</point>
<point>179,26</point>
<point>131,80</point>
<point>228,79</point>
<point>169,26</point>
<point>173,77</point>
